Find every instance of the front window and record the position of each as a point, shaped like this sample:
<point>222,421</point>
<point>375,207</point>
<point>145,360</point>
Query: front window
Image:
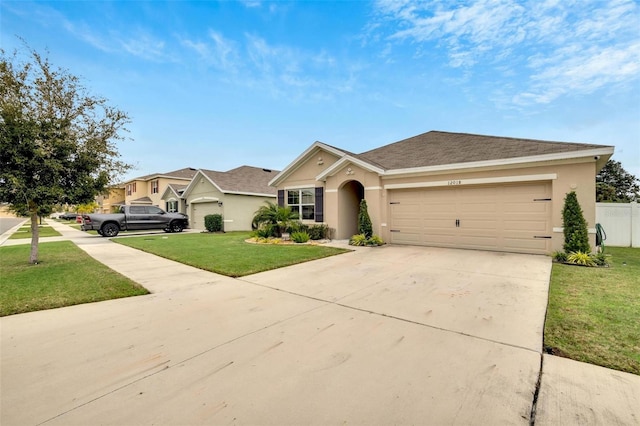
<point>154,187</point>
<point>172,206</point>
<point>301,201</point>
<point>131,188</point>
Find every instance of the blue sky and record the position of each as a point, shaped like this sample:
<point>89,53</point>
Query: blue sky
<point>216,85</point>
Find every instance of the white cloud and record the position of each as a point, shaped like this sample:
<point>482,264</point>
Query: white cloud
<point>280,70</point>
<point>557,47</point>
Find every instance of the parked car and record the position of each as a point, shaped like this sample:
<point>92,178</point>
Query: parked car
<point>132,218</point>
<point>68,216</point>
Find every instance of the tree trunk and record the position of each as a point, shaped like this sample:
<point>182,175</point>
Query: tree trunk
<point>35,235</point>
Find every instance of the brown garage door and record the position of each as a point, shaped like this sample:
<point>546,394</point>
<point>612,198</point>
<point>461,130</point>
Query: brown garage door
<point>514,218</point>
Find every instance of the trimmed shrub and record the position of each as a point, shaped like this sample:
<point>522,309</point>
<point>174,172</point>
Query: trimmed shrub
<point>297,227</point>
<point>213,222</point>
<point>318,232</point>
<point>576,234</point>
<point>299,237</point>
<point>560,256</point>
<point>364,221</point>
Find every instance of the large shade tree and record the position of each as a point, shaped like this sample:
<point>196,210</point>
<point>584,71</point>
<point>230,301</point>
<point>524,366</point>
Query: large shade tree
<point>57,141</point>
<point>614,184</point>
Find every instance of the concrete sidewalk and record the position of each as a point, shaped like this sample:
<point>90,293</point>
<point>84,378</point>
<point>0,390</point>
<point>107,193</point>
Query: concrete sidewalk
<point>208,349</point>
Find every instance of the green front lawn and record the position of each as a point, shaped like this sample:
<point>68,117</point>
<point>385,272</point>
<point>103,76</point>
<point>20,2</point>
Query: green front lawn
<point>25,232</point>
<point>227,254</point>
<point>65,276</point>
<point>594,313</point>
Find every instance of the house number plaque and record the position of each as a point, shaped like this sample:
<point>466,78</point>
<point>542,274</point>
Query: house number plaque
<point>454,182</point>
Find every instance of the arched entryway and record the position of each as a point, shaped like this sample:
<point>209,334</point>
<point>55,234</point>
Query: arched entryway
<point>349,196</point>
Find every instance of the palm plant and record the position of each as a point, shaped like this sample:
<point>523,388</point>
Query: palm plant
<point>279,219</point>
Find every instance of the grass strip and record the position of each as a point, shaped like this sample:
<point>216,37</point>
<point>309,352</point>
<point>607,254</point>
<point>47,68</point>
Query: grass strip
<point>65,276</point>
<point>594,313</point>
<point>227,254</point>
<point>25,232</point>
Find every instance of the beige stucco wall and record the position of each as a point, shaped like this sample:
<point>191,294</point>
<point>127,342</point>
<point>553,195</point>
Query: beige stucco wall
<point>201,195</point>
<point>143,189</point>
<point>578,175</point>
<point>306,174</point>
<point>237,210</point>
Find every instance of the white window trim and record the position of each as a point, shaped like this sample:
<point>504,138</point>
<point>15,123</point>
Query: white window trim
<point>301,204</point>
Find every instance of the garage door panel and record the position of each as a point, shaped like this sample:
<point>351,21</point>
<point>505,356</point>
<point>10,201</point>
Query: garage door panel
<point>515,208</point>
<point>501,217</point>
<point>517,244</point>
<point>406,237</point>
<point>525,225</point>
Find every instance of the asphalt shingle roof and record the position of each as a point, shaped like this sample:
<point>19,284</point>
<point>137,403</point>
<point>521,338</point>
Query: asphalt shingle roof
<point>186,173</point>
<point>437,148</point>
<point>246,179</point>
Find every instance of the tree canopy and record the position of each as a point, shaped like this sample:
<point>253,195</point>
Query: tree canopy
<point>615,184</point>
<point>57,141</point>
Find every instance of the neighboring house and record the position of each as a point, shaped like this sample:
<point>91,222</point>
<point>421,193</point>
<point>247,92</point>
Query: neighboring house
<point>172,197</point>
<point>5,211</point>
<point>113,197</point>
<point>235,194</point>
<point>149,189</point>
<point>448,190</point>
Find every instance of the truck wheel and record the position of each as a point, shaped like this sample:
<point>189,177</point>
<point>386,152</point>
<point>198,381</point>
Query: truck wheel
<point>110,230</point>
<point>176,226</point>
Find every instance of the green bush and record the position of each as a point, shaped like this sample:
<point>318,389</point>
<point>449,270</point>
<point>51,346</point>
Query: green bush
<point>375,241</point>
<point>364,221</point>
<point>265,231</point>
<point>560,256</point>
<point>280,218</point>
<point>362,240</point>
<point>358,240</point>
<point>580,258</point>
<point>213,222</point>
<point>318,232</point>
<point>297,227</point>
<point>299,237</point>
<point>576,234</point>
<point>600,259</point>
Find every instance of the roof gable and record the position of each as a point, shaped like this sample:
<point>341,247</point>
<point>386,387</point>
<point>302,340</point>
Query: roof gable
<point>173,190</point>
<point>304,157</point>
<point>243,180</point>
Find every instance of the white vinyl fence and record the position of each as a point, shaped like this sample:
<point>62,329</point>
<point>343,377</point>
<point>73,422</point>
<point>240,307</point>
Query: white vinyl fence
<point>621,223</point>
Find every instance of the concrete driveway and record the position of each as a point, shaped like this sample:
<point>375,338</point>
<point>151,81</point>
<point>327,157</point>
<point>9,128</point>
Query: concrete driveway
<point>391,335</point>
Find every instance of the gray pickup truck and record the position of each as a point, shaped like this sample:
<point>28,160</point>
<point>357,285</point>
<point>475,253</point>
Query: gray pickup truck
<point>133,218</point>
